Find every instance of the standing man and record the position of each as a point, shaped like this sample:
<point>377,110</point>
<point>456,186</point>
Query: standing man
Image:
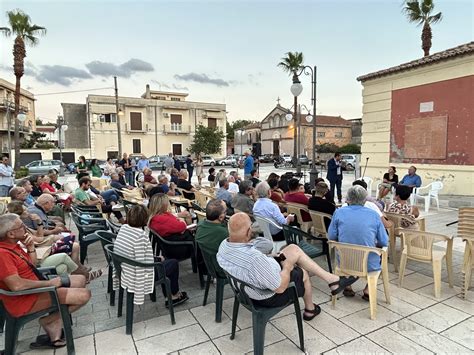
<point>126,164</point>
<point>248,165</point>
<point>335,175</point>
<point>143,163</point>
<point>168,163</point>
<point>411,180</point>
<point>189,167</point>
<point>177,163</point>
<point>7,176</point>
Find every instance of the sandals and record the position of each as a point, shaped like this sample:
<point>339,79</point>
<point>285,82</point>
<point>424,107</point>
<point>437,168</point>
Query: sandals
<point>343,283</point>
<point>183,297</point>
<point>48,344</point>
<point>92,275</point>
<point>314,312</point>
<point>365,296</point>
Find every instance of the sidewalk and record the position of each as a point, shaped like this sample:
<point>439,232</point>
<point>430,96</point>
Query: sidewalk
<point>414,321</point>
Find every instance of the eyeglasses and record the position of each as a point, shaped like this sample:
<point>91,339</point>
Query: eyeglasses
<point>20,227</point>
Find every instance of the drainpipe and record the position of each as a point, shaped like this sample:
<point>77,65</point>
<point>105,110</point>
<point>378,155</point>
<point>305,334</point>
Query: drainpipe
<point>156,130</point>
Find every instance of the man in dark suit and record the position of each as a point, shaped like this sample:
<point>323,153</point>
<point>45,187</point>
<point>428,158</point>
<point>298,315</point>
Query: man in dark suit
<point>335,175</point>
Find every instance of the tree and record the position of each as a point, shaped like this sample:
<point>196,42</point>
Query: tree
<point>421,14</point>
<point>35,141</point>
<point>25,33</point>
<point>232,127</point>
<point>207,140</point>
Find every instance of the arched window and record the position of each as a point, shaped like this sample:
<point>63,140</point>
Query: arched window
<point>270,121</point>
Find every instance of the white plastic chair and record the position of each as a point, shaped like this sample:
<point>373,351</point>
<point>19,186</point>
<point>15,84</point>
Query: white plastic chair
<point>433,190</point>
<point>264,224</point>
<point>369,181</point>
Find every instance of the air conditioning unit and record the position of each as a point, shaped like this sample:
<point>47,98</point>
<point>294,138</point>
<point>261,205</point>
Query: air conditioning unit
<point>166,115</point>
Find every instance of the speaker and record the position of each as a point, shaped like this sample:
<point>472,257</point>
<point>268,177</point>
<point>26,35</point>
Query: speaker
<point>256,149</point>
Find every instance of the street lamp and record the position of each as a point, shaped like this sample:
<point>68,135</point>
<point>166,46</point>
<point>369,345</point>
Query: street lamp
<point>60,126</point>
<point>307,70</point>
<point>296,90</point>
<point>240,132</point>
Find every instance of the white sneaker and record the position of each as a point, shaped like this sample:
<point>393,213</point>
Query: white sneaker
<point>118,207</point>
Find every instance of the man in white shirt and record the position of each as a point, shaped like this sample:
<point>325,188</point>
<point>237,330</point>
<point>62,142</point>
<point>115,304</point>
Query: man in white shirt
<point>233,187</point>
<point>6,177</point>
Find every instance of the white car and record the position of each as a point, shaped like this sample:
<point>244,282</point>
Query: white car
<point>286,158</point>
<point>230,160</point>
<point>349,160</point>
<point>207,160</point>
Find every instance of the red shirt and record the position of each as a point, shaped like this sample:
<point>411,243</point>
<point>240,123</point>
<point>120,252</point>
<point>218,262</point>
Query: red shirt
<point>167,224</point>
<point>47,186</point>
<point>276,197</point>
<point>299,197</point>
<point>10,264</point>
<point>148,178</point>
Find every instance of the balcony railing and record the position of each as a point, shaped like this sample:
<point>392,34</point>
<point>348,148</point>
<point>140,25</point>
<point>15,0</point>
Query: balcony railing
<point>176,128</point>
<point>4,127</point>
<point>143,129</point>
<point>10,105</point>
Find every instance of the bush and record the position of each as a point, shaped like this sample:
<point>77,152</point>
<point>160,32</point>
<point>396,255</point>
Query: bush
<point>21,173</point>
<point>350,149</point>
<point>327,148</point>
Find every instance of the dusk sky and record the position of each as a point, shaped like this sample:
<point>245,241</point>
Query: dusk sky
<point>221,51</point>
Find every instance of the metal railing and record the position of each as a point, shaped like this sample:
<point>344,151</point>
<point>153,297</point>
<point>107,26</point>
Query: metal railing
<point>176,128</point>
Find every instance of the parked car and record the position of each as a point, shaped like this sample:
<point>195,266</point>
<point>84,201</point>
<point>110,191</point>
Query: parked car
<point>303,158</point>
<point>265,158</point>
<point>286,157</point>
<point>349,161</point>
<point>157,162</point>
<point>71,167</point>
<point>207,160</point>
<point>44,166</point>
<point>229,160</point>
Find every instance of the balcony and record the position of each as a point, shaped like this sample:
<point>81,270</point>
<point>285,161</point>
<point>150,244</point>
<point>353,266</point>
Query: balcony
<point>176,128</point>
<point>10,105</point>
<point>128,129</point>
<point>4,127</point>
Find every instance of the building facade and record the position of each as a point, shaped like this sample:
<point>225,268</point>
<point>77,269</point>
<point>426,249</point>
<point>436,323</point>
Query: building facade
<point>277,132</point>
<point>155,124</point>
<point>421,113</point>
<point>248,138</point>
<point>7,109</point>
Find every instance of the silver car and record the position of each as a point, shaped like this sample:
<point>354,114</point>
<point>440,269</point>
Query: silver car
<point>349,160</point>
<point>44,166</point>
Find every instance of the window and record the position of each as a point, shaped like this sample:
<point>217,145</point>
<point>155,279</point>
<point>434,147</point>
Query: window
<point>212,122</point>
<point>135,121</point>
<point>270,122</point>
<point>161,97</point>
<point>112,154</point>
<point>176,122</point>
<point>108,117</point>
<point>321,134</point>
<point>175,99</point>
<point>338,135</point>
<point>137,145</point>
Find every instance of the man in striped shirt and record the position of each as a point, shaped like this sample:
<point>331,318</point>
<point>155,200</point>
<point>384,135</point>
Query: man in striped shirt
<point>270,278</point>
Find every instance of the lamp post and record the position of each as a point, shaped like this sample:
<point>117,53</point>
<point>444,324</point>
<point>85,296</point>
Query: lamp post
<point>308,70</point>
<point>296,89</point>
<point>240,133</point>
<point>60,126</point>
<point>118,114</point>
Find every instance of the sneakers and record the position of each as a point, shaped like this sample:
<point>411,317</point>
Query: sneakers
<point>118,207</point>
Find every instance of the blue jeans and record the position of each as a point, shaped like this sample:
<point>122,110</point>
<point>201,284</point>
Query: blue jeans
<point>4,190</point>
<point>129,178</point>
<point>110,196</point>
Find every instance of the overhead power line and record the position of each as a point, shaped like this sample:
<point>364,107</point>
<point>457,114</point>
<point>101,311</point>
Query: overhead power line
<point>72,91</point>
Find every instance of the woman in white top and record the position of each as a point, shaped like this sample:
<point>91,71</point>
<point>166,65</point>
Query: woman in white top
<point>109,167</point>
<point>133,242</point>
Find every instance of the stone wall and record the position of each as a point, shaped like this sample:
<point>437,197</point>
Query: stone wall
<point>77,134</point>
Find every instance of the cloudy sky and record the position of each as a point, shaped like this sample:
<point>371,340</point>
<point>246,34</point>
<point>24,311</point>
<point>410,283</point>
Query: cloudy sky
<point>220,51</point>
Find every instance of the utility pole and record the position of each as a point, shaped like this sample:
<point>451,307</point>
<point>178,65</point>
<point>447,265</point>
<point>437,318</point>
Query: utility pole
<point>117,113</point>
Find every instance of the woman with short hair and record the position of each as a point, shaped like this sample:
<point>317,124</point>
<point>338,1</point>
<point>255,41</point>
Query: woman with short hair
<point>133,242</point>
<point>401,207</point>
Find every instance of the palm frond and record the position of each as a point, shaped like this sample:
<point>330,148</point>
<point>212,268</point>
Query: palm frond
<point>413,13</point>
<point>426,7</point>
<point>435,18</point>
<point>20,24</point>
<point>6,31</point>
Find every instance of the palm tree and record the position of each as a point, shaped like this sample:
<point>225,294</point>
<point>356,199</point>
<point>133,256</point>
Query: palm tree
<point>421,14</point>
<point>291,64</point>
<point>25,33</point>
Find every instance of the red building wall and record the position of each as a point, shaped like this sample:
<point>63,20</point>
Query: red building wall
<point>452,98</point>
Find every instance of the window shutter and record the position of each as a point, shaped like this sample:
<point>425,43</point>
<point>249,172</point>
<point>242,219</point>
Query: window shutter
<point>136,121</point>
<point>212,122</point>
<point>178,119</point>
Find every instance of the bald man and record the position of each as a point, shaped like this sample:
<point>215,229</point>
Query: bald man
<point>44,204</point>
<point>270,276</point>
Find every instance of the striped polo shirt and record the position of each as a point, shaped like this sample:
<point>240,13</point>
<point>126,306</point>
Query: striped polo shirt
<point>244,262</point>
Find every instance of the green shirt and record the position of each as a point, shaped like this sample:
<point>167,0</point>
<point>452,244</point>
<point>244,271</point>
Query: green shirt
<point>210,235</point>
<point>96,171</point>
<point>81,195</point>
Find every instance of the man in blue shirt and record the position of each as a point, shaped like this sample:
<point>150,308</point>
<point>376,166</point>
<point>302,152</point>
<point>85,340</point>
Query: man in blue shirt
<point>248,165</point>
<point>143,163</point>
<point>356,224</point>
<point>411,179</point>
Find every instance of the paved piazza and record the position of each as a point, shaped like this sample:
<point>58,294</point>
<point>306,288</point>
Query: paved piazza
<point>415,322</point>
